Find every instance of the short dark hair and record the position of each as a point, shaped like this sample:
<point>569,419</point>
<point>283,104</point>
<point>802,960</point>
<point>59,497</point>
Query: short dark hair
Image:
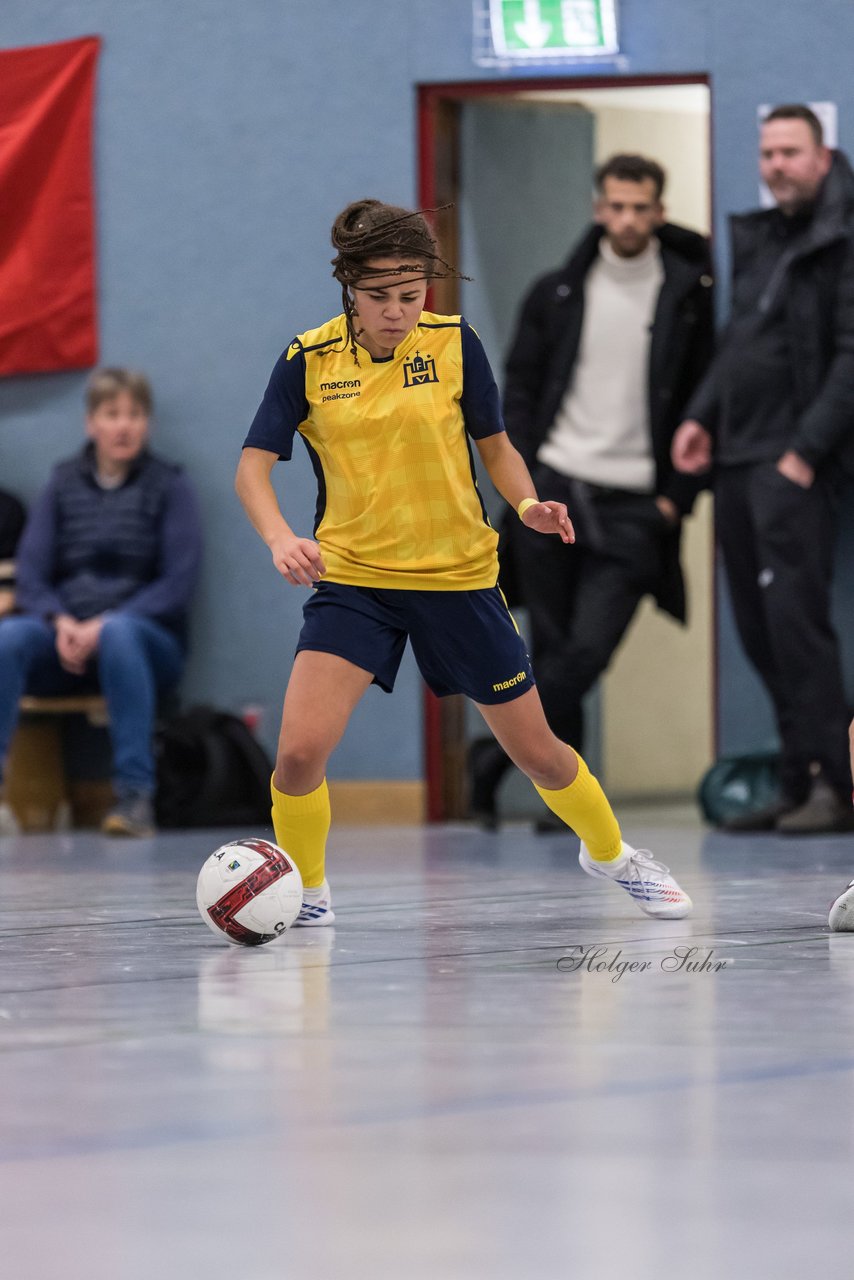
<point>106,384</point>
<point>631,168</point>
<point>798,111</point>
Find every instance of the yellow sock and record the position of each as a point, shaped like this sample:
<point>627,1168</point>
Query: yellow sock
<point>584,806</point>
<point>301,824</point>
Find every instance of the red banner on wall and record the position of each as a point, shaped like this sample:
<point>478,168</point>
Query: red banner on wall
<point>47,268</point>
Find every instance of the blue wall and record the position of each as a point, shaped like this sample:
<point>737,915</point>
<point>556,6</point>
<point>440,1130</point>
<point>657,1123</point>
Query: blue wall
<point>227,138</point>
<point>510,233</point>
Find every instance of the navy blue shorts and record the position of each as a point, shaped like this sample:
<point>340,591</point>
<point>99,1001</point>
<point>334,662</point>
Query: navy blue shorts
<point>463,641</point>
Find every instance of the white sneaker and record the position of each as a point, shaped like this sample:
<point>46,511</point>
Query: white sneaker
<point>316,909</point>
<point>841,917</point>
<point>9,824</point>
<point>647,881</point>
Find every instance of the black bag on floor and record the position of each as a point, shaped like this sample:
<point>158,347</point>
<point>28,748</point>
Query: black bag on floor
<point>738,785</point>
<point>211,772</point>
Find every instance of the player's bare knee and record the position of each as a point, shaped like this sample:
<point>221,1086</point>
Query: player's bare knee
<point>549,779</point>
<point>551,765</point>
<point>298,764</point>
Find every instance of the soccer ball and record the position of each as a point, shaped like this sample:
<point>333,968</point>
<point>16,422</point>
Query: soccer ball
<point>249,891</point>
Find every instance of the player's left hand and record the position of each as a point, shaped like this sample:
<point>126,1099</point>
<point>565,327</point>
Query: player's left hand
<point>550,517</point>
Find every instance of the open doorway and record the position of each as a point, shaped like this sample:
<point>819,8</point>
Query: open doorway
<point>516,162</point>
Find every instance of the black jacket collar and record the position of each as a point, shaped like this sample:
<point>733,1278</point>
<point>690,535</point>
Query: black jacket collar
<point>832,220</point>
<point>680,248</point>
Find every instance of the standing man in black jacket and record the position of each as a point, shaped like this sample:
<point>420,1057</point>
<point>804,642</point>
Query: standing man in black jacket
<point>607,352</point>
<point>776,413</point>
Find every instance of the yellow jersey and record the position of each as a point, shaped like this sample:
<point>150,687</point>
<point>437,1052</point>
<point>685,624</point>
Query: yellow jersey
<point>398,501</point>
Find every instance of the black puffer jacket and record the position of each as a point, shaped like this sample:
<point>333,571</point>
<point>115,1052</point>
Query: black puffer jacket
<point>544,350</point>
<point>816,284</point>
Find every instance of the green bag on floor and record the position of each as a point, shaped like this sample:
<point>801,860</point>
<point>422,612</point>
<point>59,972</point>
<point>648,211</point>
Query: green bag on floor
<point>736,785</point>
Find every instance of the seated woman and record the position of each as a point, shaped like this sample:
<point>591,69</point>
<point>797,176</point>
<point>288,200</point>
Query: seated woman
<point>106,568</point>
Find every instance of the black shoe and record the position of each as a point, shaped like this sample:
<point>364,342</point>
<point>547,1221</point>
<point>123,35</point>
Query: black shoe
<point>764,819</point>
<point>823,811</point>
<point>487,766</point>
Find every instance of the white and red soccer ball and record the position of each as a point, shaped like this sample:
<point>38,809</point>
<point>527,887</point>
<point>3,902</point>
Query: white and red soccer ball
<point>249,892</point>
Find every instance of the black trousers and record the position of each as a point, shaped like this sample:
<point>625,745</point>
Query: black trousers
<point>777,541</point>
<point>582,598</point>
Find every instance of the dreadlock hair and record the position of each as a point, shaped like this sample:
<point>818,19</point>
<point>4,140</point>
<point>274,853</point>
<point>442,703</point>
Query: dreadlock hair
<point>370,229</point>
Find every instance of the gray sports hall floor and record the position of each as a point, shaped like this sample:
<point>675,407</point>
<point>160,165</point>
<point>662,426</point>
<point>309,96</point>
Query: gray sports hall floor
<point>424,1092</point>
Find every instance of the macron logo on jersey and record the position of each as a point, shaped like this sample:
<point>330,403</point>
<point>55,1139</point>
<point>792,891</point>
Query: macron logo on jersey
<point>345,389</point>
<point>418,371</point>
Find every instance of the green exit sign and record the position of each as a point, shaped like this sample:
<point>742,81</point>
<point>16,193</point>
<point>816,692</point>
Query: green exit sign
<point>553,28</point>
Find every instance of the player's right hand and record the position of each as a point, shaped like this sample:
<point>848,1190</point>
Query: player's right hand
<point>691,452</point>
<point>298,560</point>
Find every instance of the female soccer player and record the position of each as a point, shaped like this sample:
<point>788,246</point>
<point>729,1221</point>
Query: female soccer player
<point>386,397</point>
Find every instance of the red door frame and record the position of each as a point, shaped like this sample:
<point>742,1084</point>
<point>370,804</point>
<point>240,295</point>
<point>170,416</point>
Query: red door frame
<point>431,97</point>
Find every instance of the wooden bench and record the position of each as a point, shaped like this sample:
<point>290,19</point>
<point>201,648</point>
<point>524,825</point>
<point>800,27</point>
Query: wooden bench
<point>36,785</point>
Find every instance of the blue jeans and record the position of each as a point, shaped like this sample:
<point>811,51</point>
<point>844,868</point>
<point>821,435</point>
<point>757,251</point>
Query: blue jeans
<point>136,659</point>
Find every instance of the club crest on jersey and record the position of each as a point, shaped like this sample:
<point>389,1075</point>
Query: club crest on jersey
<point>419,370</point>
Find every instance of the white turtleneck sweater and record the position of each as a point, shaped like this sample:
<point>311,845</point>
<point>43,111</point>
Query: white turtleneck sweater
<point>601,430</point>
